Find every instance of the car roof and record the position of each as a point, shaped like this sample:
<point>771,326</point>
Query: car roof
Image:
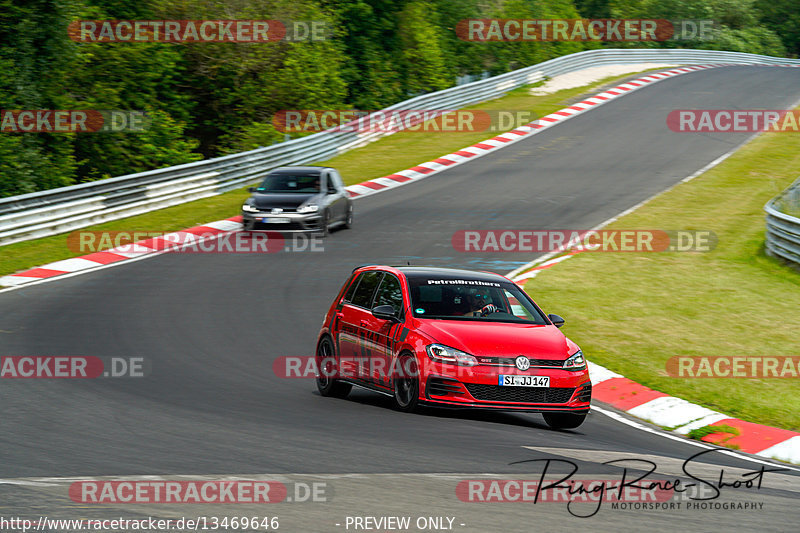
<point>439,272</point>
<point>308,168</point>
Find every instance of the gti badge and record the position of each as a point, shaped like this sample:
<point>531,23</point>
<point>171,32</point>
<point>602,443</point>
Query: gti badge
<point>522,362</point>
<point>276,211</point>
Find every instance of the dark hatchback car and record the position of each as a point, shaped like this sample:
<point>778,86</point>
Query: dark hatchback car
<point>298,199</point>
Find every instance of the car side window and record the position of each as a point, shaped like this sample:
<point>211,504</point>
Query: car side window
<point>348,297</point>
<point>390,293</point>
<point>331,183</point>
<point>366,288</point>
<point>336,180</point>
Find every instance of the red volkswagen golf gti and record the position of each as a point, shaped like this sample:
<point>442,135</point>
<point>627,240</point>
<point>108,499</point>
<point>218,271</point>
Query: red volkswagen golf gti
<point>450,338</point>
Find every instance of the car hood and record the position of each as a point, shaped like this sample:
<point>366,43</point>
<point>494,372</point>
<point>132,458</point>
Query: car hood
<point>497,339</point>
<point>290,200</point>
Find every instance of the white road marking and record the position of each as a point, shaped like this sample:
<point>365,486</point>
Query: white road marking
<point>620,418</point>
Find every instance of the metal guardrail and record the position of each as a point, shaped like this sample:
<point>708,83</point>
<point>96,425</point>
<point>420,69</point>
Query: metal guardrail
<point>59,210</point>
<point>783,229</point>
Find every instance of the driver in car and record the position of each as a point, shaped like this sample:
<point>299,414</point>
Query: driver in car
<point>475,306</point>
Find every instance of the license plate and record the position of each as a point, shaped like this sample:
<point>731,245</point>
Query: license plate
<point>275,220</point>
<point>524,381</point>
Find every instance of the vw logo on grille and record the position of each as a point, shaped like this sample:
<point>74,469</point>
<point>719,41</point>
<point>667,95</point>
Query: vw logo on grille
<point>276,211</point>
<point>522,362</point>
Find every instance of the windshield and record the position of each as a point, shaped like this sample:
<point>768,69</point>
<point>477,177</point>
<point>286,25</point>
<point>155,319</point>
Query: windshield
<point>290,183</point>
<point>460,299</point>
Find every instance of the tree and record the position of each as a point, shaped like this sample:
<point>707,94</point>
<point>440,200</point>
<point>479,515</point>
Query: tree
<point>422,56</point>
<point>783,18</point>
<point>33,64</point>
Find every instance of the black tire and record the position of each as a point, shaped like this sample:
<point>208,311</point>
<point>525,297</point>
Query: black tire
<point>564,420</point>
<point>324,223</point>
<point>327,385</point>
<point>406,386</point>
<point>348,219</point>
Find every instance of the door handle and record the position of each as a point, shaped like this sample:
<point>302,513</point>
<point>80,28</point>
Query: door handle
<point>364,322</point>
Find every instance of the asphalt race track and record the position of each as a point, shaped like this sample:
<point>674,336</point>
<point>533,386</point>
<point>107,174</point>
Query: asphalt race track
<point>212,324</point>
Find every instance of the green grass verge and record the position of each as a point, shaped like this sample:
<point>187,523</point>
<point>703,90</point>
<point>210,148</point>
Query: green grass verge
<point>631,312</point>
<point>386,156</point>
<point>699,433</point>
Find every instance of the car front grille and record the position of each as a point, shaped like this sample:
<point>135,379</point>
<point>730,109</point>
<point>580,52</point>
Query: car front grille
<point>509,361</point>
<point>496,393</point>
<point>290,226</point>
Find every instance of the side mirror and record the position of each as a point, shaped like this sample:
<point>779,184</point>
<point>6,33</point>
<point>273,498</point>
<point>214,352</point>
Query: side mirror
<point>556,320</point>
<point>385,312</point>
<point>251,189</point>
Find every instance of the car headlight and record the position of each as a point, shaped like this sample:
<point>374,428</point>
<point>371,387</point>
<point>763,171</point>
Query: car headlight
<point>445,354</point>
<point>249,208</point>
<point>575,362</point>
<point>310,208</point>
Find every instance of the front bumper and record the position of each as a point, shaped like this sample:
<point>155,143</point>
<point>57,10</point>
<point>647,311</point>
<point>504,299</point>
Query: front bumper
<point>477,387</point>
<point>289,222</point>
